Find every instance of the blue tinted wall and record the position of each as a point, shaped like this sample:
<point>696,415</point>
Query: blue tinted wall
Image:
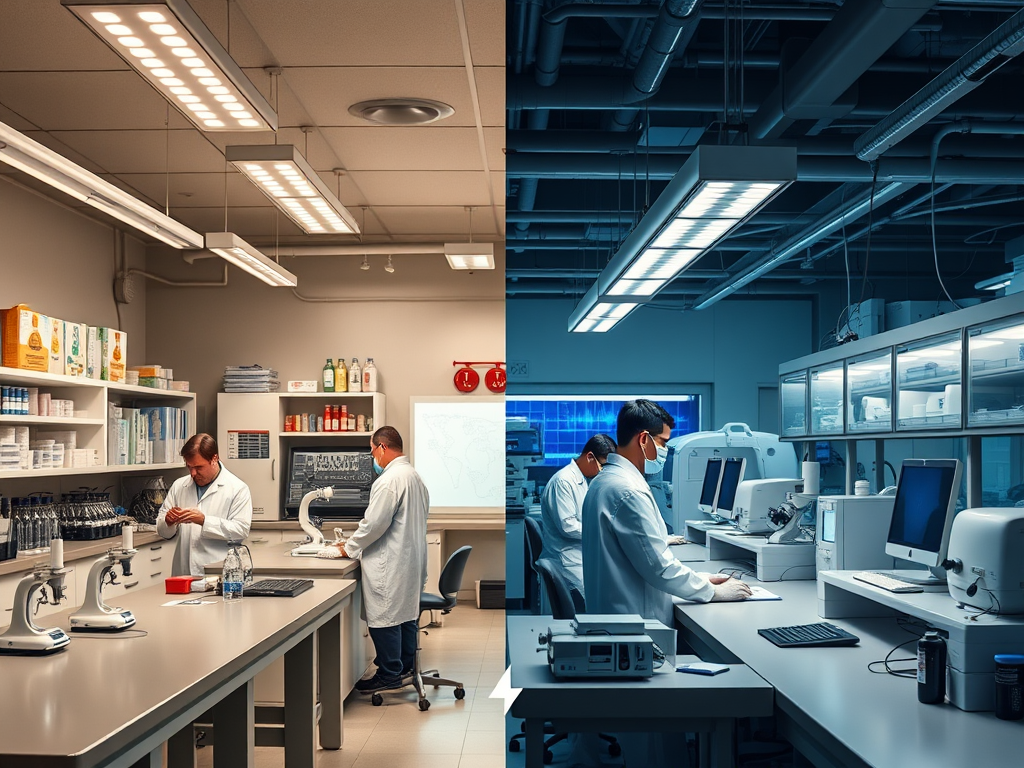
<point>568,424</point>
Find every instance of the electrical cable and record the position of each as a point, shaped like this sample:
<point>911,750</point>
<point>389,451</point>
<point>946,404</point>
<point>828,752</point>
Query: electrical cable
<point>871,214</point>
<point>935,244</point>
<point>910,672</point>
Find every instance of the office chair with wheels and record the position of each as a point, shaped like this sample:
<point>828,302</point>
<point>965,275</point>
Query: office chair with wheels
<point>563,606</point>
<point>448,585</point>
<point>534,547</point>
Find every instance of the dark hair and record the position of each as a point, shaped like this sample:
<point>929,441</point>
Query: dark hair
<point>202,444</point>
<point>638,416</point>
<point>388,437</point>
<point>600,446</point>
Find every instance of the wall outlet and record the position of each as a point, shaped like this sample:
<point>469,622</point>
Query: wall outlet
<point>518,369</point>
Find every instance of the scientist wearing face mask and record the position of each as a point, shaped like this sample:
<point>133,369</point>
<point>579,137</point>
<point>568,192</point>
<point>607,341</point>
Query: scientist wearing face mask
<point>391,546</point>
<point>561,508</point>
<point>627,565</point>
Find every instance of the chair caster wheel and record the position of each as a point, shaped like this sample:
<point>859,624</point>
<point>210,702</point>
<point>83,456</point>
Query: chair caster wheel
<point>513,746</point>
<point>460,693</point>
<point>376,699</point>
<point>614,750</point>
<point>424,705</point>
<point>549,756</point>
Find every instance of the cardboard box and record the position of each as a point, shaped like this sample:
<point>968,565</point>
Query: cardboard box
<point>76,336</point>
<point>113,353</point>
<point>93,358</point>
<point>899,314</point>
<point>148,371</point>
<point>56,346</point>
<point>26,339</point>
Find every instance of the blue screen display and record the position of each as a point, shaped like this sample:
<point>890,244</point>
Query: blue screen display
<point>568,424</point>
<point>919,511</point>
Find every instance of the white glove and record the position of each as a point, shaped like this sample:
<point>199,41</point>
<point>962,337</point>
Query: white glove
<point>674,541</point>
<point>730,591</point>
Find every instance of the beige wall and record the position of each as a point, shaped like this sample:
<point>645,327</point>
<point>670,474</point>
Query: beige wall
<point>61,263</point>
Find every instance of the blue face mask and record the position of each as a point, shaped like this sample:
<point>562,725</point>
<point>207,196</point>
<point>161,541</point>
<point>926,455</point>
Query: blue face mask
<point>377,468</point>
<point>661,456</point>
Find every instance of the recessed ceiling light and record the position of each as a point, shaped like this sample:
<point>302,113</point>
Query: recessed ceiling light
<point>401,111</point>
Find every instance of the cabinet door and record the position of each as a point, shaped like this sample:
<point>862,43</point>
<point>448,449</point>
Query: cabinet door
<point>249,413</point>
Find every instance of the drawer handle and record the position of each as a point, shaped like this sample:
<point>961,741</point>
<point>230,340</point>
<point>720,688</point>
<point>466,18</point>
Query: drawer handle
<point>257,541</point>
<point>155,575</point>
<point>155,559</point>
<point>129,585</point>
<point>157,548</point>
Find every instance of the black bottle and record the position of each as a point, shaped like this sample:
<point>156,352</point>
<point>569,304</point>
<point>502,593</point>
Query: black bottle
<point>931,668</point>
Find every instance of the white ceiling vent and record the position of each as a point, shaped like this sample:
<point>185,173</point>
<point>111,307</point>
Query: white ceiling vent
<point>401,111</point>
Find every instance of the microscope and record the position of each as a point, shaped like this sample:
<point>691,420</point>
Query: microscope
<point>317,541</point>
<point>784,520</point>
<point>23,636</point>
<point>95,615</point>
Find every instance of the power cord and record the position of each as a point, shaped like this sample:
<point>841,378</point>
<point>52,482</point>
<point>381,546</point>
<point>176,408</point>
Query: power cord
<point>908,672</point>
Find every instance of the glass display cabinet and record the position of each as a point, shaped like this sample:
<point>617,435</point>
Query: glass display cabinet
<point>793,394</point>
<point>827,399</point>
<point>869,393</point>
<point>996,373</point>
<point>929,383</point>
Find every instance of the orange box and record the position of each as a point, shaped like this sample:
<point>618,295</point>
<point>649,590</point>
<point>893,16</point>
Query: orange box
<point>26,339</point>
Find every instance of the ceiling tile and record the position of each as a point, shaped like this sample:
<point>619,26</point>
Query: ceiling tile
<point>485,20</point>
<point>494,141</point>
<point>423,187</point>
<point>45,36</point>
<point>490,86</point>
<point>181,151</point>
<point>245,222</point>
<point>358,32</point>
<point>439,220</point>
<point>421,148</point>
<point>196,190</point>
<point>328,93</point>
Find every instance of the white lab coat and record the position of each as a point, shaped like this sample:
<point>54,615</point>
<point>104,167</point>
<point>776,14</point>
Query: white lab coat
<point>227,506</point>
<point>561,509</point>
<point>391,545</point>
<point>627,565</point>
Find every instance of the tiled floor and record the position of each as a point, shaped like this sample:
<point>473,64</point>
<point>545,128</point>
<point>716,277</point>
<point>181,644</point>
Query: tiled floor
<point>470,648</point>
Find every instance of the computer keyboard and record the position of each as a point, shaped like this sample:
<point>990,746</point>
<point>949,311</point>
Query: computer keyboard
<point>277,587</point>
<point>808,635</point>
<point>887,583</point>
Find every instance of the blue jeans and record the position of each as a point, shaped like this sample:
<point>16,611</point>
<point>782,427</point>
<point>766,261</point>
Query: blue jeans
<point>396,648</point>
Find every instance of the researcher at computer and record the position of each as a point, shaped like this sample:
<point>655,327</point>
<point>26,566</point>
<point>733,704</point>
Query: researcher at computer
<point>391,546</point>
<point>627,565</point>
<point>561,508</point>
<point>205,510</point>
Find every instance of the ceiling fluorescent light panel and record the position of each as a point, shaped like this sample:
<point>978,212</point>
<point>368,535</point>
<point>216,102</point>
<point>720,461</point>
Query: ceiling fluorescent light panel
<point>469,255</point>
<point>282,174</point>
<point>716,190</point>
<point>31,157</point>
<point>171,47</point>
<point>231,247</point>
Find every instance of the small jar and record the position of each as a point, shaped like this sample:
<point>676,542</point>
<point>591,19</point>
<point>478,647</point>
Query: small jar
<point>1009,686</point>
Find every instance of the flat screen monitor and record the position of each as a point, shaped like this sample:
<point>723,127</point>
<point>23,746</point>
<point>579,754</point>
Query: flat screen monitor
<point>709,489</point>
<point>540,474</point>
<point>732,474</point>
<point>923,510</point>
<point>349,471</point>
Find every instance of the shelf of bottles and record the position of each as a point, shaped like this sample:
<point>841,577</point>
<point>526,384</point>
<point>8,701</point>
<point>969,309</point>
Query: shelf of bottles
<point>928,383</point>
<point>996,374</point>
<point>37,519</point>
<point>869,393</point>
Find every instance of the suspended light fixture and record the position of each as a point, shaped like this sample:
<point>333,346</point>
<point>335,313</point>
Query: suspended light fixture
<point>389,267</point>
<point>366,264</point>
<point>281,173</point>
<point>31,157</point>
<point>167,43</point>
<point>470,255</point>
<point>715,191</point>
<point>231,247</point>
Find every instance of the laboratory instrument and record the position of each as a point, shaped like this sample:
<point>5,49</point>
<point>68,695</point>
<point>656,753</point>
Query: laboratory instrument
<point>317,540</point>
<point>809,635</point>
<point>603,646</point>
<point>851,531</point>
<point>985,565</point>
<point>23,636</point>
<point>755,497</point>
<point>95,615</point>
<point>784,520</point>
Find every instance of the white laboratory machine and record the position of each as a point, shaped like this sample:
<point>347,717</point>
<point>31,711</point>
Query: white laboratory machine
<point>95,615</point>
<point>766,456</point>
<point>985,561</point>
<point>317,541</point>
<point>23,637</point>
<point>754,499</point>
<point>851,532</point>
<point>599,645</point>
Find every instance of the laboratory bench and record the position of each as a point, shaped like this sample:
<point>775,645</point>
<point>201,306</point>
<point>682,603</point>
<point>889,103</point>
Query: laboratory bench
<point>828,704</point>
<point>112,701</point>
<point>494,522</point>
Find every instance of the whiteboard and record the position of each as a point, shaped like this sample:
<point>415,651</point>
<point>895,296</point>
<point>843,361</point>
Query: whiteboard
<point>458,448</point>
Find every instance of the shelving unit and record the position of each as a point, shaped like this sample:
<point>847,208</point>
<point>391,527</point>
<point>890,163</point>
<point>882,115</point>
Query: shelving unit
<point>960,375</point>
<point>264,413</point>
<point>92,396</point>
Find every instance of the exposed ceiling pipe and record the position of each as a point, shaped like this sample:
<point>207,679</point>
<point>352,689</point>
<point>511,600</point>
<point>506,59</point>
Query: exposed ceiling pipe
<point>672,32</point>
<point>963,76</point>
<point>756,264</point>
<point>369,249</point>
<point>859,35</point>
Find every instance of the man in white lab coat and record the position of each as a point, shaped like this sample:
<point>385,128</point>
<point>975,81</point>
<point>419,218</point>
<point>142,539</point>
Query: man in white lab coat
<point>391,545</point>
<point>205,510</point>
<point>627,564</point>
<point>561,508</point>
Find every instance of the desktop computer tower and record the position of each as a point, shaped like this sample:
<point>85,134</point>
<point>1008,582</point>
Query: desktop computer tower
<point>851,533</point>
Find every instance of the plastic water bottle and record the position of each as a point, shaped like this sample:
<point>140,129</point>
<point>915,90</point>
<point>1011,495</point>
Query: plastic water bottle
<point>233,575</point>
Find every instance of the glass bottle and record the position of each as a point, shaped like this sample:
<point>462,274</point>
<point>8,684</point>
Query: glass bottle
<point>328,376</point>
<point>369,376</point>
<point>341,376</point>
<point>355,376</point>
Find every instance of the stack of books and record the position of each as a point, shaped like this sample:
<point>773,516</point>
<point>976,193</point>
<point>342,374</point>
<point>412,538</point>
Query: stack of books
<point>250,378</point>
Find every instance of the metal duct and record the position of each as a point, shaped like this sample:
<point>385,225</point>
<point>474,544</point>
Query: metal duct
<point>962,77</point>
<point>861,32</point>
<point>676,25</point>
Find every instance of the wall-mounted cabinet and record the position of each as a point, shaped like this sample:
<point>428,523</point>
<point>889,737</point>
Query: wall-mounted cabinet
<point>826,392</point>
<point>929,383</point>
<point>793,394</point>
<point>996,381</point>
<point>869,393</point>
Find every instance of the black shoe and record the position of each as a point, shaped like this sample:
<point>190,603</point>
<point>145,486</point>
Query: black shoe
<point>378,683</point>
<point>407,673</point>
